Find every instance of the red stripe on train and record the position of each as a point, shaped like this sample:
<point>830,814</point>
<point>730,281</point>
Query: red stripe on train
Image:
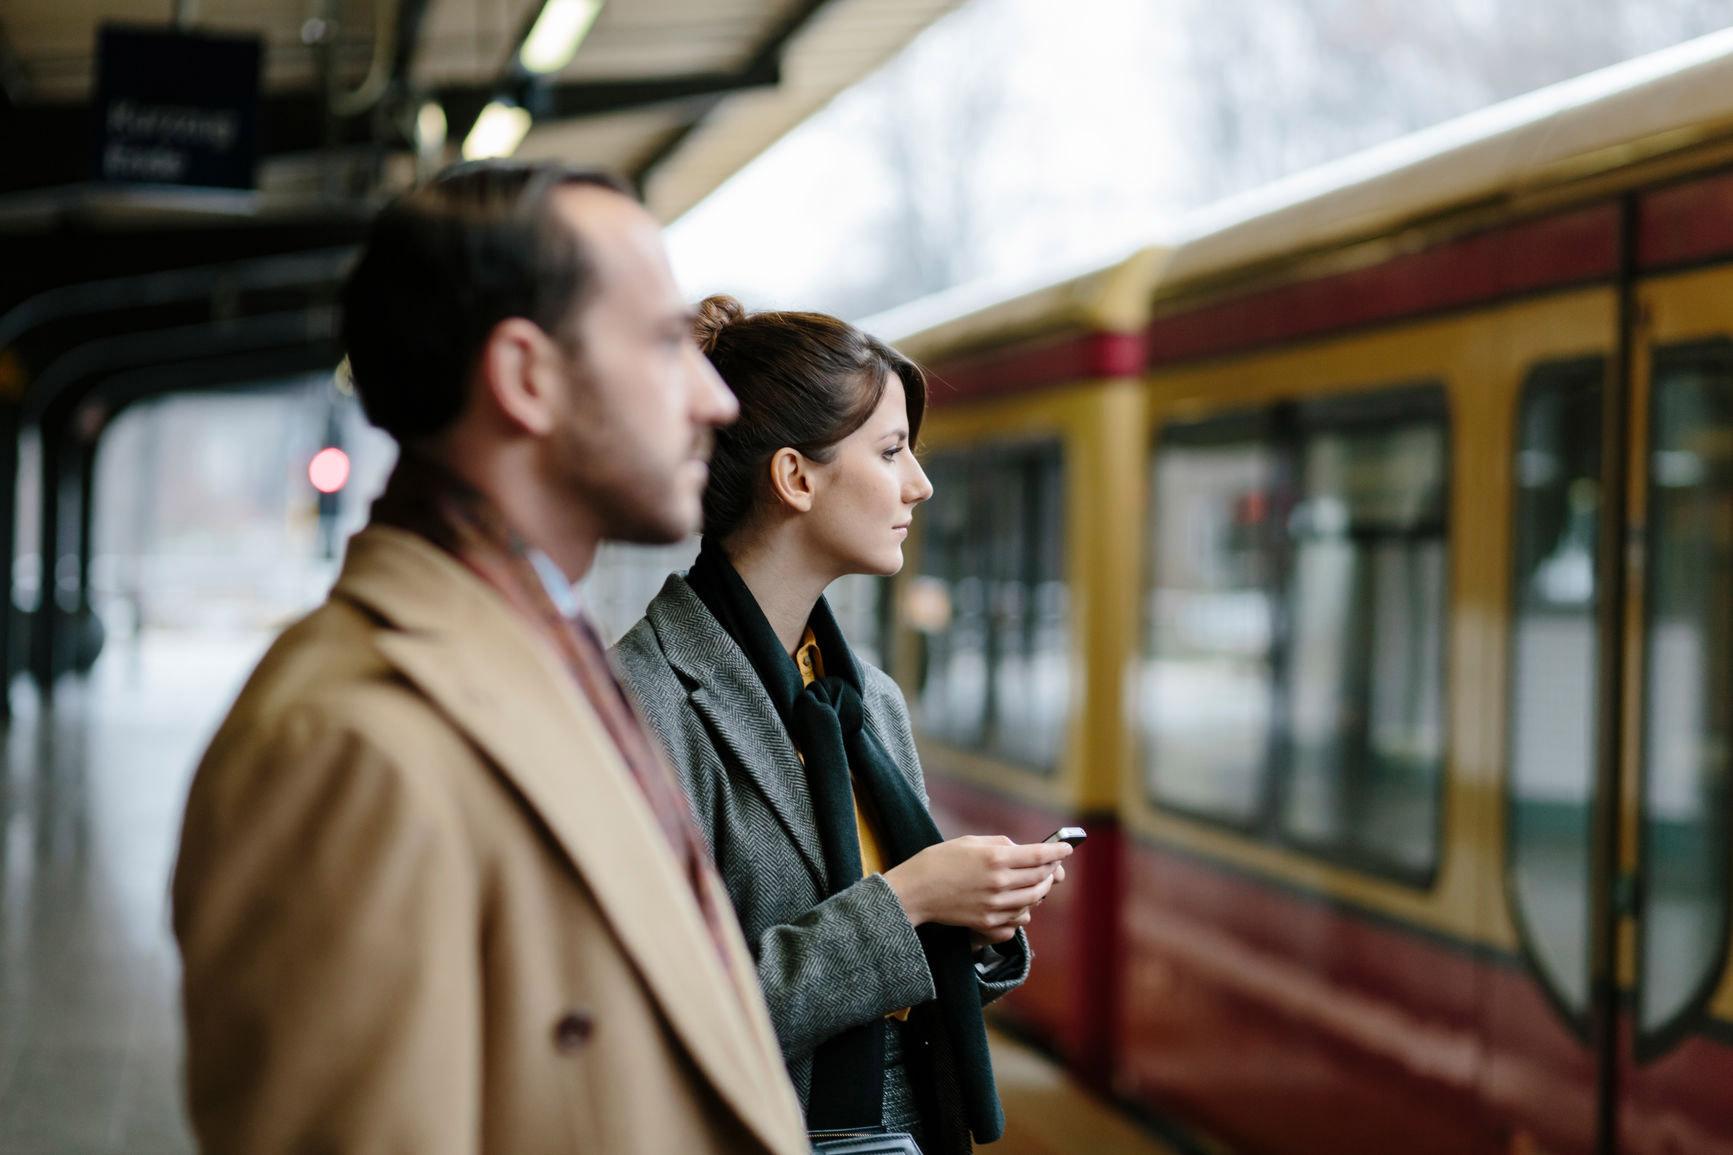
<point>1685,223</point>
<point>1565,249</point>
<point>1289,1024</point>
<point>1342,1033</point>
<point>1037,363</point>
<point>1679,224</point>
<point>1569,248</point>
<point>1358,1036</point>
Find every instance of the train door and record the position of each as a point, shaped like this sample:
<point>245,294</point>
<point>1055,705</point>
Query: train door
<point>1540,1070</point>
<point>1543,1069</point>
<point>1649,837</point>
<point>1675,1047</point>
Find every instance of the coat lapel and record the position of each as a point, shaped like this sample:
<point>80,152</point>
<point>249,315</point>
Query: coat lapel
<point>463,647</point>
<point>729,697</point>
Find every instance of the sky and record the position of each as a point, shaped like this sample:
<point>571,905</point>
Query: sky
<point>811,214</point>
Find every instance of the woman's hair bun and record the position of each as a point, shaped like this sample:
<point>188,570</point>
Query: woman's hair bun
<point>715,314</point>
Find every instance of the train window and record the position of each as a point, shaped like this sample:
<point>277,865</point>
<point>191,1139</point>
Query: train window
<point>1365,592</point>
<point>1688,723</point>
<point>1554,658</point>
<point>992,599</point>
<point>1031,613</point>
<point>948,604</point>
<point>1205,686</point>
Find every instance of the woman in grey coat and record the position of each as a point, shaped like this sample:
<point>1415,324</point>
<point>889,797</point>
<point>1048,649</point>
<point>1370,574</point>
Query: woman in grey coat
<point>877,941</point>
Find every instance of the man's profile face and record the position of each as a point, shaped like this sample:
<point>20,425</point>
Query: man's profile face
<point>635,441</point>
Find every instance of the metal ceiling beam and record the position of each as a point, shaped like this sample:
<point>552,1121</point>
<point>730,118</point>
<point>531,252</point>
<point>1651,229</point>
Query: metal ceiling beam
<point>312,268</point>
<point>556,102</point>
<point>244,370</point>
<point>53,139</point>
<point>52,142</point>
<point>64,383</point>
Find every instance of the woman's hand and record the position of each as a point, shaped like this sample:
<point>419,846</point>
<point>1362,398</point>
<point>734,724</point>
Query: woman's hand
<point>979,939</point>
<point>988,884</point>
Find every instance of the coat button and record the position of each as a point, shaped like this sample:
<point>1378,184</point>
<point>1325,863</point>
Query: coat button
<point>572,1031</point>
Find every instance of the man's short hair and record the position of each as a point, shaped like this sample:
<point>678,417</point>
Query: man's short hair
<point>442,265</point>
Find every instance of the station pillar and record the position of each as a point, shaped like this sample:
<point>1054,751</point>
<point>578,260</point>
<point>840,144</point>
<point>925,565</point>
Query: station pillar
<point>62,633</point>
<point>10,427</point>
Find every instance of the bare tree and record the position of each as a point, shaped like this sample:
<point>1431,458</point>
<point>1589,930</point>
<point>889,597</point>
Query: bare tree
<point>942,110</point>
<point>1281,85</point>
<point>975,132</point>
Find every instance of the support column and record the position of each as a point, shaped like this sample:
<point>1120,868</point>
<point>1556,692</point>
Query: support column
<point>10,428</point>
<point>86,629</point>
<point>86,520</point>
<point>45,623</point>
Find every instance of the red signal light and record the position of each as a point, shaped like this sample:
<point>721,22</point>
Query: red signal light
<point>329,470</point>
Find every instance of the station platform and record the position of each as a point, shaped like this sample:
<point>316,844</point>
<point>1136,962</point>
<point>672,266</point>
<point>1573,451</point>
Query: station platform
<point>90,805</point>
<point>1048,1113</point>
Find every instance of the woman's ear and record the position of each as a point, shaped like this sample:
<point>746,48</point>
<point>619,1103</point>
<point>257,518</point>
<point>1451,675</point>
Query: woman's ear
<point>791,479</point>
<point>520,374</point>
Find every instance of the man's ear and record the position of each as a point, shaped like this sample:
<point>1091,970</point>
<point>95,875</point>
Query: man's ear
<point>791,479</point>
<point>521,375</point>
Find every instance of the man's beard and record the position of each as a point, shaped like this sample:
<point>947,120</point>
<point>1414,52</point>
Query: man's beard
<point>641,506</point>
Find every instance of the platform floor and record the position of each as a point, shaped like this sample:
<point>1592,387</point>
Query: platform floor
<point>90,802</point>
<point>1047,1113</point>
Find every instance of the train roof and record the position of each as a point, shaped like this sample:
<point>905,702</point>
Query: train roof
<point>1641,108</point>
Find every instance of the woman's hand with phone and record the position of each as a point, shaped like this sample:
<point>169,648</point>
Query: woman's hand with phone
<point>986,883</point>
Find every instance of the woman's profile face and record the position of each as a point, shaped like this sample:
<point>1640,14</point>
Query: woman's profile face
<point>865,501</point>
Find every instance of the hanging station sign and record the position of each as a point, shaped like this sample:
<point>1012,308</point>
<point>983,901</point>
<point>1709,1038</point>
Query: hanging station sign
<point>176,108</point>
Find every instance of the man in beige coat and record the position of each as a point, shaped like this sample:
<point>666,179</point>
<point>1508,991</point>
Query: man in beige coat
<point>432,895</point>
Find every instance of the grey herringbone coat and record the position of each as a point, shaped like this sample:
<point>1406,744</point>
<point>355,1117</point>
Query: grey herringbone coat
<point>826,964</point>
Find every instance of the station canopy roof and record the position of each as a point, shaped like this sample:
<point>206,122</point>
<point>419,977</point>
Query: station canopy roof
<point>109,295</point>
<point>675,94</point>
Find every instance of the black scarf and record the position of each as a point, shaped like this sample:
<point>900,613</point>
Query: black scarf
<point>826,722</point>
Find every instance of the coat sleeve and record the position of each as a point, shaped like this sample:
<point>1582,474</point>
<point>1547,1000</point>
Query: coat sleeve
<point>327,914</point>
<point>852,958</point>
<point>1009,970</point>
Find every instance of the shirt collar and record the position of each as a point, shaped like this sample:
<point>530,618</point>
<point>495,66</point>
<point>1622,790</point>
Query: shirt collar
<point>558,586</point>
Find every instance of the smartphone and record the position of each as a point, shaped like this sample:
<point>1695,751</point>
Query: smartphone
<point>1071,835</point>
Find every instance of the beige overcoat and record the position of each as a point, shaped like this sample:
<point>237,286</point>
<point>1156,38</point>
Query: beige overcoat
<point>422,907</point>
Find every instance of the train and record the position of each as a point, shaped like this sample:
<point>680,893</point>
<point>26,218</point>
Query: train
<point>1355,563</point>
<point>1357,567</point>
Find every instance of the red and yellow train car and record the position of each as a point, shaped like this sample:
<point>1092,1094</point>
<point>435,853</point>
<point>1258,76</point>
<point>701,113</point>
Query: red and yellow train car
<point>1358,568</point>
